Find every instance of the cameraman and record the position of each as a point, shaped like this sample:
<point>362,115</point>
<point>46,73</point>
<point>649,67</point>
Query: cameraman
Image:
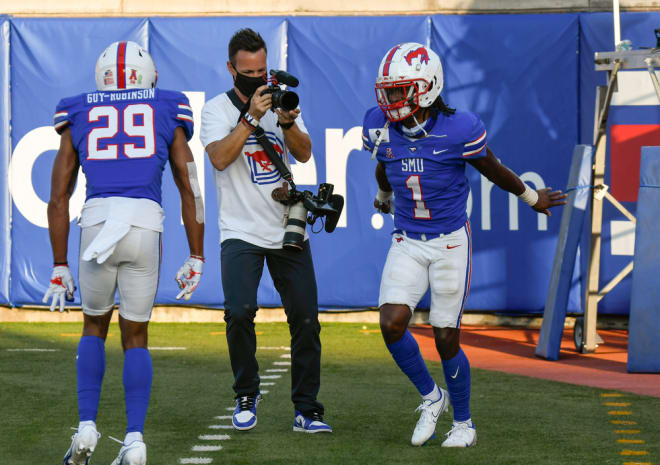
<point>251,230</point>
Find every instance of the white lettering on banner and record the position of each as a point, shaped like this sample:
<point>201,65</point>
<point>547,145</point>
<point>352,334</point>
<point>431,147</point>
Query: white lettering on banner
<point>338,146</point>
<point>28,149</point>
<point>623,237</point>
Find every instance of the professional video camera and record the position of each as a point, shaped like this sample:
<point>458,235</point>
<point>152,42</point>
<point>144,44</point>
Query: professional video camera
<point>284,99</point>
<point>305,208</point>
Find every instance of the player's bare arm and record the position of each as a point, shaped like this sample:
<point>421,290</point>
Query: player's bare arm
<point>298,143</point>
<point>383,201</point>
<point>505,179</point>
<point>63,181</point>
<point>193,219</point>
<point>223,152</point>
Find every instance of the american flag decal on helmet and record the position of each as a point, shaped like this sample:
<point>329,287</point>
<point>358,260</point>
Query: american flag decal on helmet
<point>121,65</point>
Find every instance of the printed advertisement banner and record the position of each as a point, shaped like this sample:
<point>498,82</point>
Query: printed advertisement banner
<point>509,69</point>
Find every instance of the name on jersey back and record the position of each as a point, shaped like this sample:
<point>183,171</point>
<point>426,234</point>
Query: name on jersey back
<point>107,97</point>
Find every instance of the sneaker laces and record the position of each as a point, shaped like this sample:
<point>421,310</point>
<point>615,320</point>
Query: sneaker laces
<point>459,425</point>
<point>316,416</point>
<point>246,402</point>
<point>425,408</point>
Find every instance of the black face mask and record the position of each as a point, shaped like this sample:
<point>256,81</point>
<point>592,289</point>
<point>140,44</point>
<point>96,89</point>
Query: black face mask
<point>246,84</point>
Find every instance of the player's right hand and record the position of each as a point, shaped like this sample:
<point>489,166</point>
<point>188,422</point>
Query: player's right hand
<point>61,287</point>
<point>384,202</point>
<point>189,275</point>
<point>260,104</point>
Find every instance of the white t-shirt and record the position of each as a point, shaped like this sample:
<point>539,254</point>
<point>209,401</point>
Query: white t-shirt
<point>246,209</point>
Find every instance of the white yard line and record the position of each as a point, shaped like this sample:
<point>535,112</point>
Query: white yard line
<point>223,417</point>
<point>32,350</point>
<point>266,384</point>
<point>206,448</point>
<point>282,363</point>
<point>277,370</point>
<point>285,356</point>
<point>214,437</point>
<point>274,348</point>
<point>196,460</point>
<point>271,377</point>
<point>221,427</point>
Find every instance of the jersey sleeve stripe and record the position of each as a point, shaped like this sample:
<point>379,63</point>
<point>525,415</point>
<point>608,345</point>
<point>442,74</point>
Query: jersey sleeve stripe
<point>185,107</point>
<point>184,117</point>
<point>474,152</point>
<point>60,114</point>
<point>477,140</point>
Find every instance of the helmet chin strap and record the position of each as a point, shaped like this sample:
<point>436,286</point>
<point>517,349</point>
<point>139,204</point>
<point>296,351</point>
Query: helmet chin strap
<point>416,130</point>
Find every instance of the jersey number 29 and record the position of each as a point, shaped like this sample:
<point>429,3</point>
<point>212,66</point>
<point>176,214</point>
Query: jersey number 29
<point>145,130</point>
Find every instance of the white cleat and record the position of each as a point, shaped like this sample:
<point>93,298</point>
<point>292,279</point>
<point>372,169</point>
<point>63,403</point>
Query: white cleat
<point>133,454</point>
<point>83,444</point>
<point>431,411</point>
<point>462,434</point>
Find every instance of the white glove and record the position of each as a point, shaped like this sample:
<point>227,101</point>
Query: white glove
<point>384,201</point>
<point>61,287</point>
<point>189,275</point>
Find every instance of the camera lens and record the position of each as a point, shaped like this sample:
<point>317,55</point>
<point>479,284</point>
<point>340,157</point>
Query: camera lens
<point>285,99</point>
<point>294,233</point>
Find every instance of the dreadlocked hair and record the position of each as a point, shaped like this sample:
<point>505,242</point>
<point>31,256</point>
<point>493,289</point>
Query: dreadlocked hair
<point>439,106</point>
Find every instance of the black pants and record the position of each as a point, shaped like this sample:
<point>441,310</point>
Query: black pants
<point>293,276</point>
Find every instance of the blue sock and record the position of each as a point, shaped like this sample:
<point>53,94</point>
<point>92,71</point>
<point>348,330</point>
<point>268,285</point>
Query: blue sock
<point>407,356</point>
<point>90,367</point>
<point>457,377</point>
<point>138,373</point>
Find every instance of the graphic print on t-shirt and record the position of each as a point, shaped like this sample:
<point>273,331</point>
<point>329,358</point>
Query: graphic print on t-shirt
<point>262,170</point>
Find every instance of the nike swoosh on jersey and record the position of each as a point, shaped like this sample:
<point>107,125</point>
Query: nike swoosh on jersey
<point>453,246</point>
<point>456,374</point>
<point>435,152</point>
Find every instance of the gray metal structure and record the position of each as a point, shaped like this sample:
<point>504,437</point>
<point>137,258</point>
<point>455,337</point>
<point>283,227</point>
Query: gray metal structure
<point>586,338</point>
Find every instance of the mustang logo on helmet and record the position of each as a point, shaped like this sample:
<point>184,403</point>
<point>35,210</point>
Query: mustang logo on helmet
<point>418,52</point>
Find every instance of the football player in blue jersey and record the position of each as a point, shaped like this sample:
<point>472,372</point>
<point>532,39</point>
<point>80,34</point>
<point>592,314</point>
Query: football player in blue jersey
<point>122,135</point>
<point>422,147</point>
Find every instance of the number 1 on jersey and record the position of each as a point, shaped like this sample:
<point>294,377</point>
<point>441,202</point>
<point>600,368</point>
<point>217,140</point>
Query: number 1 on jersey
<point>421,212</point>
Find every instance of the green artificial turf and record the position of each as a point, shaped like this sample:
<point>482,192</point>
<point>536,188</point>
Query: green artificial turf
<point>369,403</point>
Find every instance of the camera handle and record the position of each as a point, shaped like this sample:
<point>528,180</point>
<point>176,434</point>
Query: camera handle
<point>260,135</point>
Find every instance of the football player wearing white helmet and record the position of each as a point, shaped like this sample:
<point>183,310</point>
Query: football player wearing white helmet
<point>122,135</point>
<point>422,147</point>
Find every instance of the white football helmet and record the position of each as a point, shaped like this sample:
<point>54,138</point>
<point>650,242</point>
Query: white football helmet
<point>410,76</point>
<point>125,65</point>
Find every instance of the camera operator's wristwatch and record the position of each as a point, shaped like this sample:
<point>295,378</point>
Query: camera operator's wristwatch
<point>285,125</point>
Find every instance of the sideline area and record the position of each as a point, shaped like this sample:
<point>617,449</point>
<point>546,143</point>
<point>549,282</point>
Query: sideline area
<point>511,350</point>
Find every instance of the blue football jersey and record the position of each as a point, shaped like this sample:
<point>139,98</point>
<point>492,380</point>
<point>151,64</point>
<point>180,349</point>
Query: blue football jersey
<point>427,174</point>
<point>123,138</point>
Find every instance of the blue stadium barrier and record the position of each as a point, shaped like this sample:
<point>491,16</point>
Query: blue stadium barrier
<point>5,201</point>
<point>337,59</point>
<point>570,231</point>
<point>644,324</point>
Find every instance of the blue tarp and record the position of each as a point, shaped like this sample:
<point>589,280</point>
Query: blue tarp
<point>508,68</point>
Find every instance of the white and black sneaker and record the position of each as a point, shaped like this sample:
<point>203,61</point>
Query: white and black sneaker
<point>245,414</point>
<point>310,424</point>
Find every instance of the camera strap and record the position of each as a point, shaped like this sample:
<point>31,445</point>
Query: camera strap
<point>260,135</point>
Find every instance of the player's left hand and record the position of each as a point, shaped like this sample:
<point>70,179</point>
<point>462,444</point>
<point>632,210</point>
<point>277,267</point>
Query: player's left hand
<point>548,199</point>
<point>61,287</point>
<point>189,275</point>
<point>286,117</point>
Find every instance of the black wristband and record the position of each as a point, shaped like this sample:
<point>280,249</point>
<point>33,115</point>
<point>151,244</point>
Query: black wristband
<point>285,125</point>
<point>61,264</point>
